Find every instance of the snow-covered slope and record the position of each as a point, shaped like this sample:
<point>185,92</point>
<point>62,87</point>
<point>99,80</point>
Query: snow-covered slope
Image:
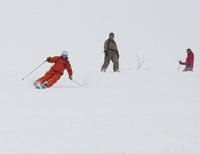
<point>112,113</point>
<point>151,111</point>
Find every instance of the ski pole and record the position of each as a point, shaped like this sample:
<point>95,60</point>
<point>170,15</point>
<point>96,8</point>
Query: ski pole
<point>33,70</point>
<point>179,65</point>
<point>76,82</point>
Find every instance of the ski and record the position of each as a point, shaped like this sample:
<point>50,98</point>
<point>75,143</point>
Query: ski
<point>39,86</point>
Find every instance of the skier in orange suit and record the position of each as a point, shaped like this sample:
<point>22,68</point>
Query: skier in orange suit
<point>56,71</point>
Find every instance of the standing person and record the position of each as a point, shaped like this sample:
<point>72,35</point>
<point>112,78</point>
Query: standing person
<point>189,62</point>
<point>111,53</point>
<point>55,72</point>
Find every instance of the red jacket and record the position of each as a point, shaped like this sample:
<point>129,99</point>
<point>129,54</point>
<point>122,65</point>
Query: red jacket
<point>60,65</point>
<point>189,62</point>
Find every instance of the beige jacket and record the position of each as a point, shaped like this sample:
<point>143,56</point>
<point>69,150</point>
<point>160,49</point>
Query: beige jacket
<point>110,46</point>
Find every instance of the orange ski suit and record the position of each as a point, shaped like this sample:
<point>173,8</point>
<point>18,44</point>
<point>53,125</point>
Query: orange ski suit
<point>56,71</point>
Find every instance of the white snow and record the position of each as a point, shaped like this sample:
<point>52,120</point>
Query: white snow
<point>155,110</point>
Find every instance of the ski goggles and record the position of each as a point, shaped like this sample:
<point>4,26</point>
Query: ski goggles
<point>64,56</point>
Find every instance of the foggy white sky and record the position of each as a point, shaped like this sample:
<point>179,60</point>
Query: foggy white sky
<point>159,30</point>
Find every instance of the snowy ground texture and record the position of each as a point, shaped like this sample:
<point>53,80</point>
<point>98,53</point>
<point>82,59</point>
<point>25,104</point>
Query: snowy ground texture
<point>155,110</point>
<point>112,113</point>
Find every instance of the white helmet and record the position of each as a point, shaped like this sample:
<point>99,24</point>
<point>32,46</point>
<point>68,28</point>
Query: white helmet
<point>64,54</point>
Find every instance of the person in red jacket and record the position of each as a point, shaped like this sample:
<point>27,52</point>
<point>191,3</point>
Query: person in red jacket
<point>189,62</point>
<point>61,63</point>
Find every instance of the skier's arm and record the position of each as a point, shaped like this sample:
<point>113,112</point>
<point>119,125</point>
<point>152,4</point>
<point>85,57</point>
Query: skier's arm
<point>53,59</point>
<point>106,45</point>
<point>69,70</point>
<point>117,51</point>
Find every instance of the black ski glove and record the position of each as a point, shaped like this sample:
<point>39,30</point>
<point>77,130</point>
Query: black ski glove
<point>70,77</point>
<point>180,62</point>
<point>48,58</point>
